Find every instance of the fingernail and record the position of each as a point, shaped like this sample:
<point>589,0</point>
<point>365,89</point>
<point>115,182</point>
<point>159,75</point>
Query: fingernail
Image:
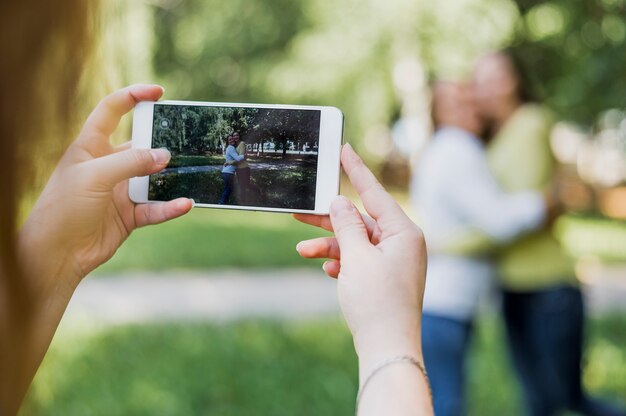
<point>160,156</point>
<point>324,266</point>
<point>341,204</point>
<point>298,246</point>
<point>159,86</point>
<point>193,202</point>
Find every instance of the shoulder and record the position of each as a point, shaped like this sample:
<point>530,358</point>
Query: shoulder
<point>452,151</point>
<point>454,142</point>
<point>535,112</point>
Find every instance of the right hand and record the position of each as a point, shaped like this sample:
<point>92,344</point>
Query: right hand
<point>84,213</point>
<point>380,263</point>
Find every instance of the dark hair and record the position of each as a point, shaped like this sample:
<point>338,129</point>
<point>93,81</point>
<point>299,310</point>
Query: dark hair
<point>525,83</point>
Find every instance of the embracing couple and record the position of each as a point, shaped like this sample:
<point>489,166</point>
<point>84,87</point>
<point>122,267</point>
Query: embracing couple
<point>486,207</point>
<point>235,155</point>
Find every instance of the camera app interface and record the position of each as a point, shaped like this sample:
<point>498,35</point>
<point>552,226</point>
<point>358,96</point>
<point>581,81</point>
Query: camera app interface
<point>237,156</point>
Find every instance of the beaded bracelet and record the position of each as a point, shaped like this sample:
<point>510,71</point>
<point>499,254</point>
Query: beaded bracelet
<point>387,362</point>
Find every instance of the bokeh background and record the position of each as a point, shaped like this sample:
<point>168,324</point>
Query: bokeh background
<point>372,59</point>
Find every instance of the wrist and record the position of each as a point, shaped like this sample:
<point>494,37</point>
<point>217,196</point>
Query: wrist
<point>48,265</point>
<point>374,347</point>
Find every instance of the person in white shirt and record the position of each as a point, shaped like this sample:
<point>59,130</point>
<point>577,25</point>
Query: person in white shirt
<point>453,191</point>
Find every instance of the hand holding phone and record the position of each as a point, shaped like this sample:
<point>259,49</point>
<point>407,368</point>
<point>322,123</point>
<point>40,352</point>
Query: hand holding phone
<point>84,214</point>
<point>241,156</point>
<point>380,263</point>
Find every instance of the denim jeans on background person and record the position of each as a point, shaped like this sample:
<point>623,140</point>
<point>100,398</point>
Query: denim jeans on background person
<point>229,183</point>
<point>445,343</point>
<point>545,336</point>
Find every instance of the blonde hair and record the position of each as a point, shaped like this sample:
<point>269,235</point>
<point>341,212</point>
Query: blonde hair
<point>44,47</point>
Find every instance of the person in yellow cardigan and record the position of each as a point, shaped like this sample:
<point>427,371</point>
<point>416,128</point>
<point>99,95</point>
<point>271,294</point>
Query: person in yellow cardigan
<point>542,303</point>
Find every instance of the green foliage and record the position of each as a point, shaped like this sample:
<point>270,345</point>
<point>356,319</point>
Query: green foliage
<point>351,53</point>
<point>593,235</point>
<point>575,54</point>
<point>193,130</point>
<point>267,368</point>
<point>197,130</point>
<point>221,50</point>
<point>315,52</point>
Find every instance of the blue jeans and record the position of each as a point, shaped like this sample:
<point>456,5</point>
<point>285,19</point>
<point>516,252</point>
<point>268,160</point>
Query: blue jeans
<point>545,336</point>
<point>229,183</point>
<point>445,342</point>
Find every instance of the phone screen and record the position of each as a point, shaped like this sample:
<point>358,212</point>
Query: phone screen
<point>261,157</point>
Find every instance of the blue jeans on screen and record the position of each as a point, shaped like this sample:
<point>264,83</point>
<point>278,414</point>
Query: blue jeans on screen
<point>545,337</point>
<point>229,184</point>
<point>445,343</point>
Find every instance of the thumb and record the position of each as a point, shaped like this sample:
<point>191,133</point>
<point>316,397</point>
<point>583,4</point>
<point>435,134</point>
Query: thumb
<point>348,225</point>
<point>116,167</point>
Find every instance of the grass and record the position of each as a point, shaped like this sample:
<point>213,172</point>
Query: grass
<point>593,235</point>
<point>289,188</point>
<point>212,238</point>
<point>266,368</point>
<point>215,238</point>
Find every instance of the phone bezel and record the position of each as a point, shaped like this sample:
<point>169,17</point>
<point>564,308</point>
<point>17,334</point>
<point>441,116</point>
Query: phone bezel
<point>328,165</point>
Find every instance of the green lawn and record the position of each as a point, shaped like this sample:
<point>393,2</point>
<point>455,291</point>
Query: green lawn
<point>265,368</point>
<point>272,188</point>
<point>593,235</point>
<point>216,238</point>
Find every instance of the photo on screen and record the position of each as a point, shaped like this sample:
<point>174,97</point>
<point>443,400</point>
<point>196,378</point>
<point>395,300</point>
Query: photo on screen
<point>258,157</point>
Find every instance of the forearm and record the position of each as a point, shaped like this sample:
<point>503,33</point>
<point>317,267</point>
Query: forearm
<point>50,281</point>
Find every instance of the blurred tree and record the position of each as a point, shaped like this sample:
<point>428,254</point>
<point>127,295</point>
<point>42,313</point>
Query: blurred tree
<point>575,54</point>
<point>211,49</point>
<point>315,52</point>
<point>349,53</point>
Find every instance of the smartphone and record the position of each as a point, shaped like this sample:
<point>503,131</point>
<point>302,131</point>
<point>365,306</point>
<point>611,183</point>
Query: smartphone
<point>258,157</point>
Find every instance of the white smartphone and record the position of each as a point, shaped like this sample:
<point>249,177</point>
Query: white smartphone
<point>258,157</point>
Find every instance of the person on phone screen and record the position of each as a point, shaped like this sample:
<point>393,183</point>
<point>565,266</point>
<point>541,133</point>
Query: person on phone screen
<point>229,168</point>
<point>84,214</point>
<point>247,190</point>
<point>454,192</point>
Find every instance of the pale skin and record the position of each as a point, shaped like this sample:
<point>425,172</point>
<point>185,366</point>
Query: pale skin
<point>495,88</point>
<point>380,263</point>
<point>81,218</point>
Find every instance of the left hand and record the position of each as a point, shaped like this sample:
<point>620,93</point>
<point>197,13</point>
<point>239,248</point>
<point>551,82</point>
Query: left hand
<point>84,213</point>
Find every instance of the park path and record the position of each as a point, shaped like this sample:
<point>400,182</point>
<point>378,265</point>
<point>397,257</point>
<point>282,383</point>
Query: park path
<point>238,294</point>
<point>216,296</point>
<point>282,165</point>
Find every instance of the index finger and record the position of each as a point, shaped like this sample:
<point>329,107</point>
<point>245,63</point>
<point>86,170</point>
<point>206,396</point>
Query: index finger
<point>376,201</point>
<point>323,222</point>
<point>105,118</point>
